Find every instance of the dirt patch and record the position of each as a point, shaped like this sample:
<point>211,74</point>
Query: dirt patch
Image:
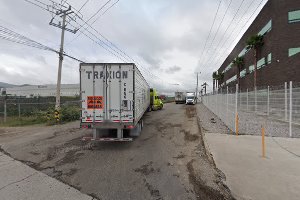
<point>167,129</point>
<point>70,157</point>
<point>146,169</point>
<point>201,189</point>
<point>180,156</point>
<point>2,131</point>
<point>162,126</point>
<point>190,111</point>
<point>51,171</point>
<point>63,132</point>
<point>153,191</point>
<point>189,137</point>
<point>71,172</point>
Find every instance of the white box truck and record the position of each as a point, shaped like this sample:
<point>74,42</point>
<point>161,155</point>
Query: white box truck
<point>114,97</point>
<point>180,97</point>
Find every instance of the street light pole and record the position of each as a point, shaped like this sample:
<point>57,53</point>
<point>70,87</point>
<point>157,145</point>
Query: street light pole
<point>197,86</point>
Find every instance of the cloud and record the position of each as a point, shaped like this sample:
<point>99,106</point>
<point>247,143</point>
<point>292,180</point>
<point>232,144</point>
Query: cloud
<point>172,70</point>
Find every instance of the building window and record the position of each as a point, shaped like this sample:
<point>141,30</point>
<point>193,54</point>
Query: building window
<point>294,51</point>
<point>267,28</point>
<point>251,68</point>
<point>269,58</point>
<point>294,16</point>
<point>261,63</point>
<point>227,68</point>
<point>243,73</point>
<point>231,79</point>
<point>243,52</point>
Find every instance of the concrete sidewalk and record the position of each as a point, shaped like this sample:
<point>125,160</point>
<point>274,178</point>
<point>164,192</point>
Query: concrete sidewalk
<point>248,175</point>
<point>19,181</point>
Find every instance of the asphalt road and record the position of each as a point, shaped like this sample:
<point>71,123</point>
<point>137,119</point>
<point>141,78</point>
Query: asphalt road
<point>168,161</point>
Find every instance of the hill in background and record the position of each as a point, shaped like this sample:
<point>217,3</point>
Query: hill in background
<point>6,85</point>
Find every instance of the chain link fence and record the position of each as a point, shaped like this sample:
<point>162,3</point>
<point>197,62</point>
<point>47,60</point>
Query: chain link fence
<point>276,109</point>
<point>15,110</point>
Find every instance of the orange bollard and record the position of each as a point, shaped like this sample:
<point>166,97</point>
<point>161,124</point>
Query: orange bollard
<point>237,124</point>
<point>263,142</point>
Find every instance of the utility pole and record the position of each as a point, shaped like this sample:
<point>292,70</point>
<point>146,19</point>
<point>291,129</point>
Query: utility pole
<point>63,14</point>
<point>197,86</point>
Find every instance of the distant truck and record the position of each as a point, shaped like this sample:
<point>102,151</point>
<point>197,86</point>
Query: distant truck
<point>180,97</point>
<point>114,100</point>
<point>155,101</point>
<point>190,98</point>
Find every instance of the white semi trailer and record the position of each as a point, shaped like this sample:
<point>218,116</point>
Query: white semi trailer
<point>115,97</point>
<point>180,97</point>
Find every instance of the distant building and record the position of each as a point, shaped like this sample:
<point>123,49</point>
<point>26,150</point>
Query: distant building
<point>43,90</point>
<point>279,58</point>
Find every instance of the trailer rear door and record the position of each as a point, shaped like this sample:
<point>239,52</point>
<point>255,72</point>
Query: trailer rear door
<point>107,92</point>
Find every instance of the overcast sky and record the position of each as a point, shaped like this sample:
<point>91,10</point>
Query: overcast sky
<point>166,37</point>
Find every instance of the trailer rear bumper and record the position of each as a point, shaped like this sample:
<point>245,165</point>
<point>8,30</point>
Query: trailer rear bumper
<point>107,139</point>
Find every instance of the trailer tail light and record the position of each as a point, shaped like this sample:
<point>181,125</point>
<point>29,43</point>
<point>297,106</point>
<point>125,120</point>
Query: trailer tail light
<point>86,126</point>
<point>130,127</point>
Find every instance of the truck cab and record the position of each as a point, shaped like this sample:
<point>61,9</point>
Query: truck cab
<point>155,102</point>
<point>190,98</point>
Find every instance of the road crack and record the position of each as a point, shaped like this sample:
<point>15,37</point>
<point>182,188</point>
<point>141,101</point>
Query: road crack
<point>18,181</point>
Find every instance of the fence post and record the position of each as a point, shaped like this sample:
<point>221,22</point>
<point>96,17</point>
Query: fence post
<point>19,109</point>
<point>263,142</point>
<point>285,101</point>
<point>291,107</point>
<point>255,99</point>
<point>5,113</point>
<point>236,107</point>
<point>268,103</point>
<point>247,100</point>
<point>227,104</point>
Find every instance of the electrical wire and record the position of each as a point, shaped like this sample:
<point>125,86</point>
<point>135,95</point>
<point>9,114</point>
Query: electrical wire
<point>103,6</point>
<point>12,36</point>
<point>211,29</point>
<point>221,23</point>
<point>234,17</point>
<point>77,36</point>
<point>114,50</point>
<point>238,33</point>
<point>83,5</point>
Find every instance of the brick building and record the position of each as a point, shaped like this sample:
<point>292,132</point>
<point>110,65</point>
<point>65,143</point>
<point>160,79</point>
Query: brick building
<point>279,58</point>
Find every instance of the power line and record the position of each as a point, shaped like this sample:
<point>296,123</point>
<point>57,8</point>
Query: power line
<point>83,5</point>
<point>235,15</point>
<point>39,6</point>
<point>208,51</point>
<point>115,49</point>
<point>241,29</point>
<point>12,36</point>
<point>105,11</point>
<point>94,20</point>
<point>111,46</point>
<point>95,14</point>
<point>210,29</point>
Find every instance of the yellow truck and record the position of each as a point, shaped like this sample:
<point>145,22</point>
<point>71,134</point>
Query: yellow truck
<point>155,102</point>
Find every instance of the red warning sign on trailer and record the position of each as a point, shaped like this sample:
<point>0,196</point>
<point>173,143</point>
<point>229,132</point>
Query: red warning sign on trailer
<point>95,102</point>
